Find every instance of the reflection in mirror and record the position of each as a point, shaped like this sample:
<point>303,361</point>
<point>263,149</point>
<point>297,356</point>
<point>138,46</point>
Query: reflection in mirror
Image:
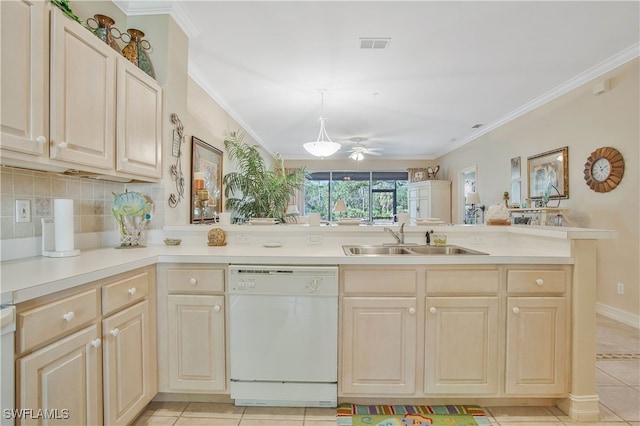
<point>206,182</point>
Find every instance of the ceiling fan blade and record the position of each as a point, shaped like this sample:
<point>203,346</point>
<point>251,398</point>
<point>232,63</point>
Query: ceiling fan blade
<point>369,152</point>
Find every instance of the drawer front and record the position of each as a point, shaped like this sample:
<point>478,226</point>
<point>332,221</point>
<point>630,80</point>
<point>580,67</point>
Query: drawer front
<point>191,280</point>
<point>380,281</point>
<point>455,281</point>
<point>124,292</point>
<point>54,319</point>
<point>536,281</point>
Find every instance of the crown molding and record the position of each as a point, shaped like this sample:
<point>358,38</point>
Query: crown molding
<point>153,7</point>
<point>200,79</point>
<point>621,58</point>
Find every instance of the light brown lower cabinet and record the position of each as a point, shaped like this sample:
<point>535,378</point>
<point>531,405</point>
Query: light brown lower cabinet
<point>465,331</point>
<point>461,345</point>
<point>196,336</point>
<point>192,328</point>
<point>98,362</point>
<point>537,347</point>
<point>127,364</point>
<point>64,379</point>
<point>379,345</point>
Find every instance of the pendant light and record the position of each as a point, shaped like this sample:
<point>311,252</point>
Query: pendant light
<point>323,146</point>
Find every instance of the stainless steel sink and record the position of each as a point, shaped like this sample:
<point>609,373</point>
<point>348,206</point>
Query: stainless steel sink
<point>448,250</point>
<point>410,250</point>
<point>375,250</point>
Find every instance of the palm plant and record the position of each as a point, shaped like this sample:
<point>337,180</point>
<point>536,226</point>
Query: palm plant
<point>255,190</point>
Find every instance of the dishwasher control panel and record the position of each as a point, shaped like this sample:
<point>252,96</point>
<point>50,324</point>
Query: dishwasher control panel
<point>291,280</point>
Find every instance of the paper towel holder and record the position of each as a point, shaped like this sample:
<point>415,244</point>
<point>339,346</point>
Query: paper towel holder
<point>48,241</point>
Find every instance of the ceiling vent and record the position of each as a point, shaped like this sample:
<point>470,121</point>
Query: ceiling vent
<point>374,42</point>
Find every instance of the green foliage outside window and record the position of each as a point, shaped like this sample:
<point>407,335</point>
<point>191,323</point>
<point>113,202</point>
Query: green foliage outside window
<point>373,196</point>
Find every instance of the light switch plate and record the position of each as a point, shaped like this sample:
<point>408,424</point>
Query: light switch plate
<point>23,211</point>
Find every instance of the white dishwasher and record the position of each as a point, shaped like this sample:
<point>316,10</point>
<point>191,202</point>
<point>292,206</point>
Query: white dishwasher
<point>283,335</point>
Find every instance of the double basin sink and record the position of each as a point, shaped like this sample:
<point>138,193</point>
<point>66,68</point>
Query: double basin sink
<point>408,250</point>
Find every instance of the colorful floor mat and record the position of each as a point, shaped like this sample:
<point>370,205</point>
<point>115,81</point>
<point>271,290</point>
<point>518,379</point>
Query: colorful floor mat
<point>411,415</point>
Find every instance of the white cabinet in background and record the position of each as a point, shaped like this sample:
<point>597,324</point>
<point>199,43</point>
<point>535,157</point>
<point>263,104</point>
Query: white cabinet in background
<point>24,117</point>
<point>430,199</point>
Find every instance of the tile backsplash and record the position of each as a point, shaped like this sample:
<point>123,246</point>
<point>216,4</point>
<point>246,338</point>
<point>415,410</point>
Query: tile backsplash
<point>91,201</point>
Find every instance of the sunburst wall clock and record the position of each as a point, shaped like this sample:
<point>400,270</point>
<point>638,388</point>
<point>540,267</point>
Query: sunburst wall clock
<point>604,169</point>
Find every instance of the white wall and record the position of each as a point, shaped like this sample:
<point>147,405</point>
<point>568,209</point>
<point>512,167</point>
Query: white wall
<point>583,122</point>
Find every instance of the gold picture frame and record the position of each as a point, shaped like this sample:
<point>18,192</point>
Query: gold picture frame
<point>206,182</point>
<point>551,167</point>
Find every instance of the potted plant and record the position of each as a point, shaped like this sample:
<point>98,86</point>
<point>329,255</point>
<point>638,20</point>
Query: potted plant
<point>255,190</point>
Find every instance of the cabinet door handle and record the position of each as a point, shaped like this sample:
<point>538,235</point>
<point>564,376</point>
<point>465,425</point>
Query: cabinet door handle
<point>193,281</point>
<point>412,311</point>
<point>115,332</point>
<point>96,343</point>
<point>540,281</point>
<point>433,309</point>
<point>217,308</point>
<point>516,310</point>
<point>63,145</point>
<point>41,140</point>
<point>125,160</point>
<point>69,316</point>
<point>132,291</point>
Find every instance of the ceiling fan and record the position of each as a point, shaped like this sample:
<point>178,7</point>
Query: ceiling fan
<point>358,151</point>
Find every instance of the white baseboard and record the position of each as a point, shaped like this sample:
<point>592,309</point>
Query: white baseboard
<point>618,314</point>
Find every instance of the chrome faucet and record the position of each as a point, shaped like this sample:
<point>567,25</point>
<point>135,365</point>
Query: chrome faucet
<point>399,236</point>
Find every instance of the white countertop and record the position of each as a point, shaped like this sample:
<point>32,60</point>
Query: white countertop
<point>24,279</point>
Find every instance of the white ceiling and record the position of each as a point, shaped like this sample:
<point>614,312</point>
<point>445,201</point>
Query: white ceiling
<point>449,65</point>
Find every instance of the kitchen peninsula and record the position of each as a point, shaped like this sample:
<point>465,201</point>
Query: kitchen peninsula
<point>530,302</point>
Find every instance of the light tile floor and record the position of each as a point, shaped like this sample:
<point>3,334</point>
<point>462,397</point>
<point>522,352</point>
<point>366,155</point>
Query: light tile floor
<point>618,381</point>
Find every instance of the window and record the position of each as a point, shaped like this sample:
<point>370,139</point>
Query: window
<point>373,196</point>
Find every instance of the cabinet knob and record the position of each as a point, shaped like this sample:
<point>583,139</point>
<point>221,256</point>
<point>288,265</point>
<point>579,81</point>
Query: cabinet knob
<point>63,145</point>
<point>125,160</point>
<point>193,281</point>
<point>96,343</point>
<point>132,291</point>
<point>433,309</point>
<point>217,308</point>
<point>69,316</point>
<point>41,140</point>
<point>516,310</point>
<point>115,331</point>
<point>539,281</point>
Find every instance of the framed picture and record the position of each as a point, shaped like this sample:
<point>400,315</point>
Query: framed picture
<point>549,172</point>
<point>206,181</point>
